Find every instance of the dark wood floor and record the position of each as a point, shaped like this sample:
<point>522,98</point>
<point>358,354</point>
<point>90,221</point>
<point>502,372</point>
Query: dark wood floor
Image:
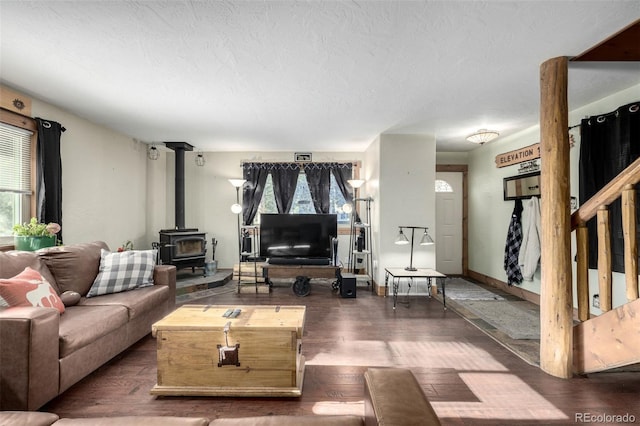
<point>469,378</point>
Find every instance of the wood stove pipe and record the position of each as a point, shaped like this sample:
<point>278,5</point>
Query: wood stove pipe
<point>179,148</point>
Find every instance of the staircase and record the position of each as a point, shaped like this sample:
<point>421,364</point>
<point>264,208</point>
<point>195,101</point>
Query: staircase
<point>612,339</point>
<point>608,341</point>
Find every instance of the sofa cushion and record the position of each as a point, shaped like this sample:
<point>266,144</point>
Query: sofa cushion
<point>14,262</point>
<point>27,418</point>
<point>137,302</point>
<point>28,288</point>
<point>135,421</point>
<point>82,325</point>
<point>123,271</point>
<point>75,266</point>
<point>290,420</point>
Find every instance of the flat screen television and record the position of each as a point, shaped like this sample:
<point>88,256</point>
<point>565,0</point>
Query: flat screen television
<point>297,235</point>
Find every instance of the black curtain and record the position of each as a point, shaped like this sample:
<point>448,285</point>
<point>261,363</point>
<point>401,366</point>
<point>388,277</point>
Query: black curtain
<point>285,179</point>
<point>255,177</point>
<point>342,173</point>
<point>319,180</point>
<point>49,172</point>
<point>608,144</point>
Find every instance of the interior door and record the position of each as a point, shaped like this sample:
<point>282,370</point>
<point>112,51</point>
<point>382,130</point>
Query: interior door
<point>448,233</point>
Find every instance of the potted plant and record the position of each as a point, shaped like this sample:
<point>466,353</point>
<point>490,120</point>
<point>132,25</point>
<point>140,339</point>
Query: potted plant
<point>35,235</point>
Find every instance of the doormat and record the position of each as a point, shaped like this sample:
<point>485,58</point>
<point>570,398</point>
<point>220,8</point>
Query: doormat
<point>460,289</point>
<point>511,317</point>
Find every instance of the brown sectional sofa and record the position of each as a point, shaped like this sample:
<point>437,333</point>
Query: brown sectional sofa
<point>43,352</point>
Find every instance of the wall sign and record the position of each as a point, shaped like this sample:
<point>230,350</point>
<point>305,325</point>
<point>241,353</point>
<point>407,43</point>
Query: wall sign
<point>302,157</point>
<point>527,153</point>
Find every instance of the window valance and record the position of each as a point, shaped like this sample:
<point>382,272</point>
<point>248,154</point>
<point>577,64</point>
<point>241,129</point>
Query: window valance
<point>268,166</point>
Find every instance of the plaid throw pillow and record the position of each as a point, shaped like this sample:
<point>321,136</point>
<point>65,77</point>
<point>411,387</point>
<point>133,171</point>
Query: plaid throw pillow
<point>123,271</point>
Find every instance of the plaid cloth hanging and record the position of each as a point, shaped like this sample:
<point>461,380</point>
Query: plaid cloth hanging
<point>512,246</point>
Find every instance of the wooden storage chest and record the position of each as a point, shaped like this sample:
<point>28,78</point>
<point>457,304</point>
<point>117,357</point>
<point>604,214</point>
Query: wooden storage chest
<point>258,353</point>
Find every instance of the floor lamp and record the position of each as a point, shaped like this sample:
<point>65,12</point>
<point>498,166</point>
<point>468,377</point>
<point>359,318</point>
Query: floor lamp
<point>401,239</point>
<point>237,210</point>
<point>352,209</point>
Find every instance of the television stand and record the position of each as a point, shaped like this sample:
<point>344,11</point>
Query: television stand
<point>316,261</point>
<point>303,274</point>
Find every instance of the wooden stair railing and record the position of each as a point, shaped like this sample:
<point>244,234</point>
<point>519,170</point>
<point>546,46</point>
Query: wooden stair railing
<point>621,186</point>
<point>611,339</point>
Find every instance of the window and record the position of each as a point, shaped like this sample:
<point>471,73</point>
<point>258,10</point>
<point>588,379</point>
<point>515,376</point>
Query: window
<point>15,179</point>
<point>443,186</point>
<point>302,202</point>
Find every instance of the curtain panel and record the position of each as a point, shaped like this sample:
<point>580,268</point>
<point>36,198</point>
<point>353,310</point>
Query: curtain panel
<point>608,144</point>
<point>49,173</point>
<point>285,178</point>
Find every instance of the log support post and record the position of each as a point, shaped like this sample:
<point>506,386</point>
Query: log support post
<point>556,301</point>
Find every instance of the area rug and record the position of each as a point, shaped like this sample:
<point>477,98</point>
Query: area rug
<point>460,289</point>
<point>512,317</point>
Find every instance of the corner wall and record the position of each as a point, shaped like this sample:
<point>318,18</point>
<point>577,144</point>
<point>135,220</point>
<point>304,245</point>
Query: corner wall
<point>406,198</point>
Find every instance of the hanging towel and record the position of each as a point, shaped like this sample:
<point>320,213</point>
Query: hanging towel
<point>512,246</point>
<point>530,248</point>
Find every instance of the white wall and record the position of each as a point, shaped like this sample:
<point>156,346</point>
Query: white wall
<point>371,174</point>
<point>406,198</point>
<point>104,181</point>
<point>452,157</point>
<point>489,214</point>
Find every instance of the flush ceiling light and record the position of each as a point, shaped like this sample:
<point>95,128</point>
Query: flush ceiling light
<point>483,136</point>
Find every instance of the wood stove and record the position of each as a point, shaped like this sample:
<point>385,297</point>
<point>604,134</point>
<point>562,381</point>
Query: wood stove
<point>182,247</point>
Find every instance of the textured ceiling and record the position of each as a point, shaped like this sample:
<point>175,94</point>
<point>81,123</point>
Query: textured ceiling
<point>305,76</point>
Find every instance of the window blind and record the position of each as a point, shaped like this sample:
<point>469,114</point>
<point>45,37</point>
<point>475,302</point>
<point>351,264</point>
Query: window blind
<point>15,159</point>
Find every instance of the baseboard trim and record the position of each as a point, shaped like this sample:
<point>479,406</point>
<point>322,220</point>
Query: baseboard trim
<point>516,291</point>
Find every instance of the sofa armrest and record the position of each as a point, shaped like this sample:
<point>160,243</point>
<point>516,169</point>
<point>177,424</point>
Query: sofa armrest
<point>393,397</point>
<point>166,275</point>
<point>27,418</point>
<point>29,348</point>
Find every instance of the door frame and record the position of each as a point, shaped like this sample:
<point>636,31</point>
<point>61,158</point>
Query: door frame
<point>464,169</point>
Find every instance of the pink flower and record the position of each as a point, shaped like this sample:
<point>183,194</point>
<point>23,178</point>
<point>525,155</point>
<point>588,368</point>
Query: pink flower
<point>53,228</point>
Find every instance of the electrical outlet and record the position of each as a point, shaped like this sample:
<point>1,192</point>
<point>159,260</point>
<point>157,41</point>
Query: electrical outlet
<point>596,300</point>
